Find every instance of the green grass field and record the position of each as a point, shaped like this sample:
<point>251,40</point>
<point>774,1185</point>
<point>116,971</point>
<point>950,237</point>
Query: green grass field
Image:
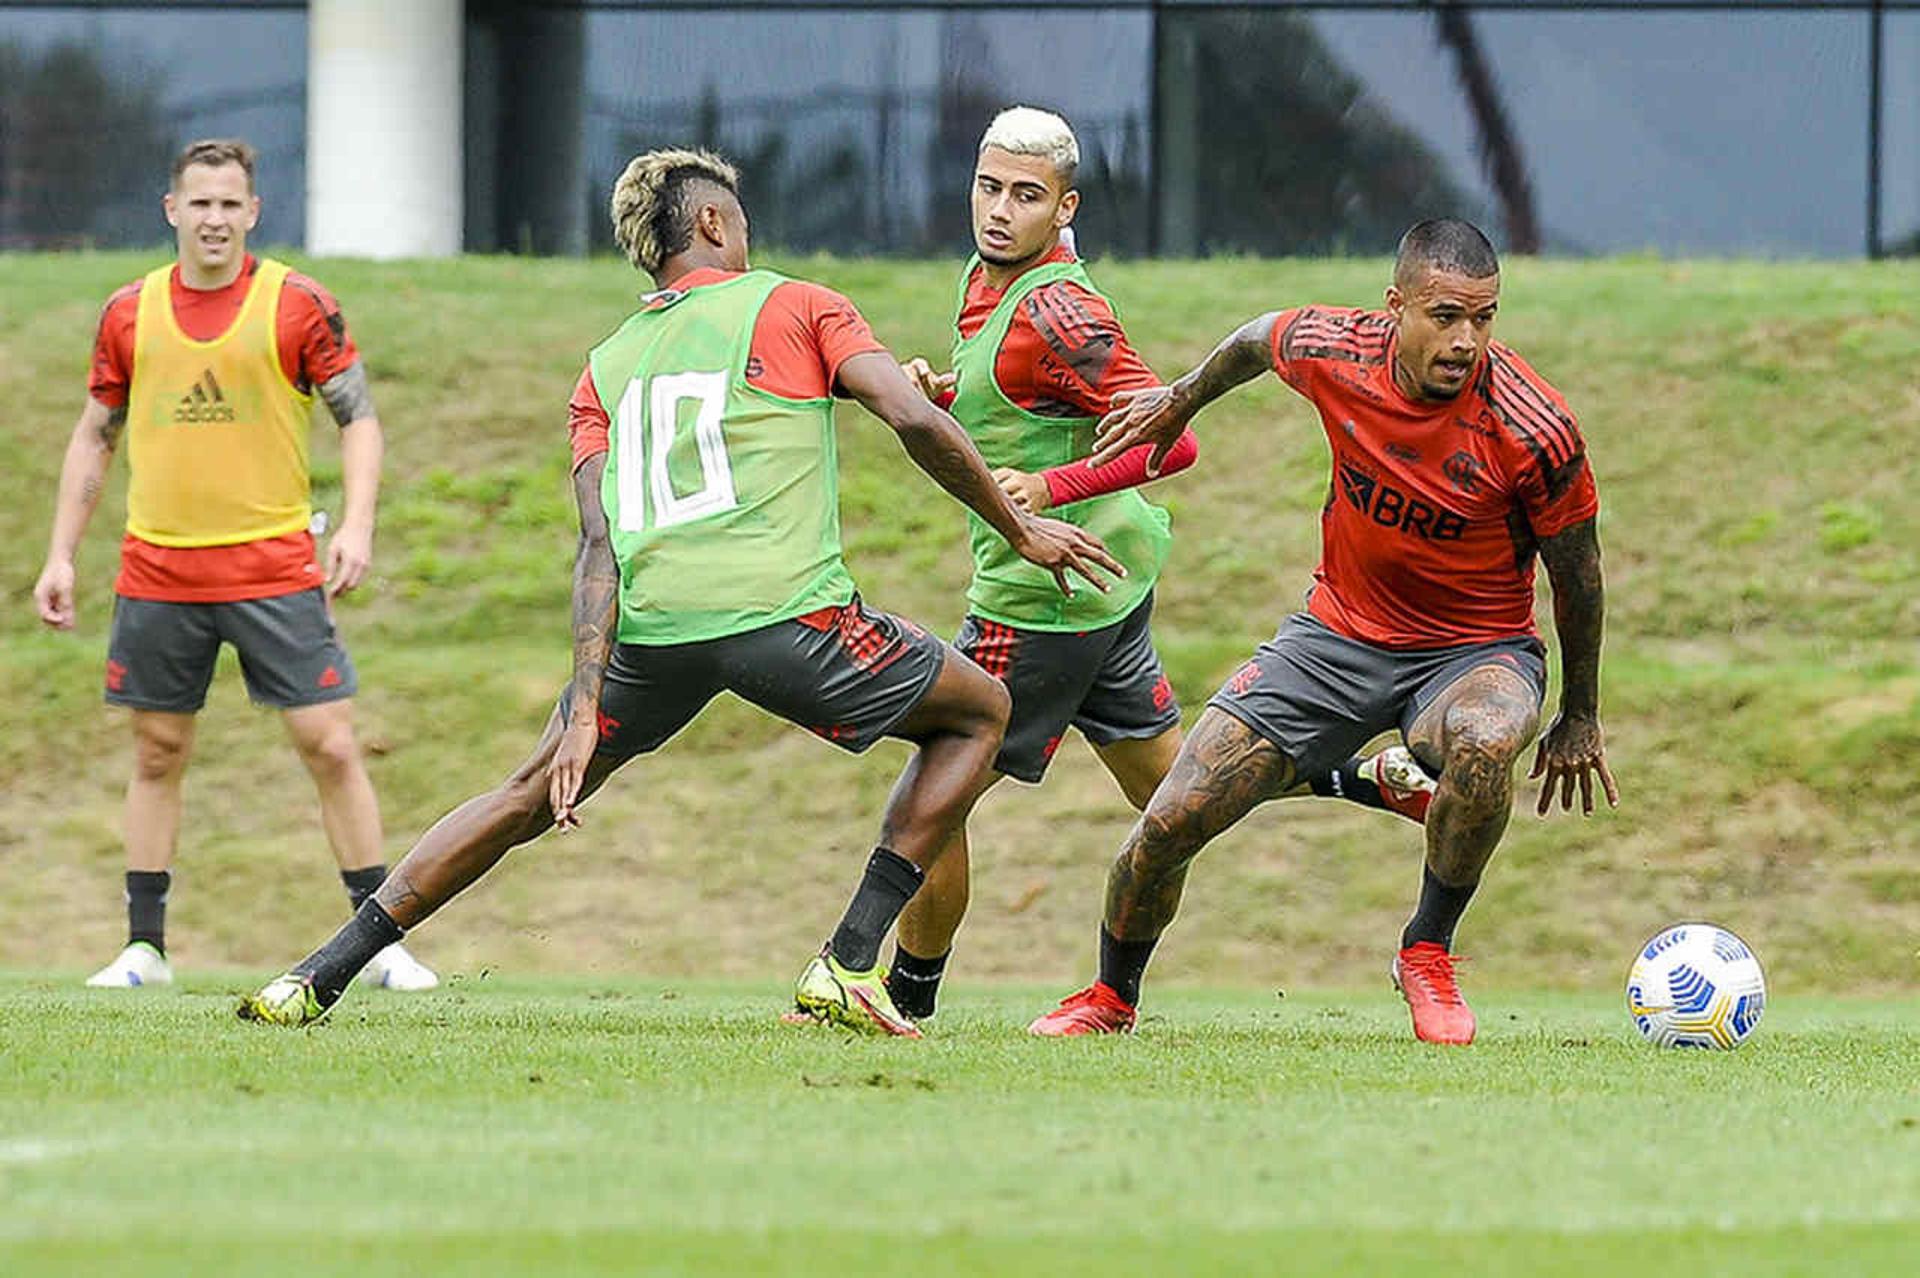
<point>571,1103</point>
<point>663,1127</point>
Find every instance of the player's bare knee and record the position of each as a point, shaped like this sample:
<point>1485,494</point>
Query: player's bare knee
<point>332,752</point>
<point>984,709</point>
<point>160,755</point>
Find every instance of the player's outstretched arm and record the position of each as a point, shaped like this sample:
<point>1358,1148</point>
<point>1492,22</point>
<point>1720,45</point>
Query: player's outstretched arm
<point>83,475</point>
<point>1573,746</point>
<point>596,613</point>
<point>1159,414</point>
<point>939,446</point>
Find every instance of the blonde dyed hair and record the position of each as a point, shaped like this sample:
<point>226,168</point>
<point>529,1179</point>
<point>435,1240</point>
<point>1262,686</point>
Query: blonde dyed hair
<point>653,206</point>
<point>1025,130</point>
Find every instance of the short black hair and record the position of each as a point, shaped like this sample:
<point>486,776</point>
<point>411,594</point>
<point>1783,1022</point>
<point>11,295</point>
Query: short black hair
<point>1445,244</point>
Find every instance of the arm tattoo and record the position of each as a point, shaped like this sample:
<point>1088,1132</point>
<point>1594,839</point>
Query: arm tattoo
<point>1243,356</point>
<point>596,588</point>
<point>347,394</point>
<point>1572,558</point>
<point>111,429</point>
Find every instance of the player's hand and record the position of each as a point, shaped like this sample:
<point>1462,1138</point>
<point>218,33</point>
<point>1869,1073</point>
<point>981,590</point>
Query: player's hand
<point>1027,491</point>
<point>931,384</point>
<point>1153,415</point>
<point>568,771</point>
<point>53,594</point>
<point>1573,747</point>
<point>349,555</point>
<point>1058,546</point>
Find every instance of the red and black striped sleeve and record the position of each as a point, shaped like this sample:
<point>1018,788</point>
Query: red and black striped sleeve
<point>1067,355</point>
<point>1553,480</point>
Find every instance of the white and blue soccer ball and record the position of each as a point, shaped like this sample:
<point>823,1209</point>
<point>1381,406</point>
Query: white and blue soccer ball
<point>1696,985</point>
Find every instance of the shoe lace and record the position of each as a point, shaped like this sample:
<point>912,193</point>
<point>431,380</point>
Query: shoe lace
<point>1433,968</point>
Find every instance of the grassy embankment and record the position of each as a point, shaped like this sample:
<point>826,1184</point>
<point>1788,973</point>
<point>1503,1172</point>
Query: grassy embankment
<point>1753,426</point>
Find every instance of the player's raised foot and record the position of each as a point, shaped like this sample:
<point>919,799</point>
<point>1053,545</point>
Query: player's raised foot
<point>1095,1010</point>
<point>1423,973</point>
<point>857,1001</point>
<point>1404,785</point>
<point>139,964</point>
<point>395,969</point>
<point>287,1001</point>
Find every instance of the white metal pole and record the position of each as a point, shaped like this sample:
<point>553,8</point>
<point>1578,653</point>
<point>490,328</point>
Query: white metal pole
<point>383,127</point>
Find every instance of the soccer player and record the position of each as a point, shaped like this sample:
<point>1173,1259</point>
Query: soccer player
<point>209,367</point>
<point>704,470</point>
<point>1038,357</point>
<point>1455,466</point>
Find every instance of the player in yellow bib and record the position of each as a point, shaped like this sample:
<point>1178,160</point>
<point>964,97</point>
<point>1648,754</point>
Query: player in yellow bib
<point>209,367</point>
<point>709,561</point>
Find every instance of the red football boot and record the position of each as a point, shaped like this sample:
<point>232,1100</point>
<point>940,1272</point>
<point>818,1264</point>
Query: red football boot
<point>1094,1010</point>
<point>1423,973</point>
<point>1404,785</point>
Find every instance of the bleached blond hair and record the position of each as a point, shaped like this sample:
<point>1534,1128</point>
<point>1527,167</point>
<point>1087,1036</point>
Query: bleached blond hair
<point>653,205</point>
<point>1025,130</point>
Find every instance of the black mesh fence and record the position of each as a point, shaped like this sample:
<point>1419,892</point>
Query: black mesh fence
<point>1768,129</point>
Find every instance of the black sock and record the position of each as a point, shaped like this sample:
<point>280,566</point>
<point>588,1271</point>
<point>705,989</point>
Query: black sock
<point>914,982</point>
<point>147,907</point>
<point>886,887</point>
<point>1438,913</point>
<point>334,965</point>
<point>1347,782</point>
<point>363,883</point>
<point>1123,963</point>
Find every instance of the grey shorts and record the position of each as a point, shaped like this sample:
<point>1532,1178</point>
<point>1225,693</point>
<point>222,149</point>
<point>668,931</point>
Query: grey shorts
<point>1107,682</point>
<point>160,655</point>
<point>845,674</point>
<point>1320,696</point>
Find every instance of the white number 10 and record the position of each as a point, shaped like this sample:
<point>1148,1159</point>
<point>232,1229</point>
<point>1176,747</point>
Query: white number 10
<point>648,422</point>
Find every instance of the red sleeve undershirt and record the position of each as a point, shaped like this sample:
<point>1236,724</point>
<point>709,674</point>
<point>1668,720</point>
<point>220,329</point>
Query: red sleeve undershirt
<point>1077,481</point>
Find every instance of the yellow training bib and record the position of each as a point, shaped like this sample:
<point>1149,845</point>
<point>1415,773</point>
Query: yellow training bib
<point>216,434</point>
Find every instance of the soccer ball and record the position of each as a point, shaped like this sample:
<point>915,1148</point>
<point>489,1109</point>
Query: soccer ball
<point>1696,985</point>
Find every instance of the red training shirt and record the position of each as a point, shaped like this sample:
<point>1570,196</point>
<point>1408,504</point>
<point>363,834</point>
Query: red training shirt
<point>314,346</point>
<point>1435,512</point>
<point>801,337</point>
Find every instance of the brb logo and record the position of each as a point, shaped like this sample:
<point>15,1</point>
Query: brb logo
<point>1391,508</point>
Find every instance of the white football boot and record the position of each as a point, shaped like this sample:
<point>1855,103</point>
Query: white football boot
<point>395,969</point>
<point>138,964</point>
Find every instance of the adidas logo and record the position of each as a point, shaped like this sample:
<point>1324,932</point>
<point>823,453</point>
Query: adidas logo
<point>206,402</point>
